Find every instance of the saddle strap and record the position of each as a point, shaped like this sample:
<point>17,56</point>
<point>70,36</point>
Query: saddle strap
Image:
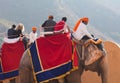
<point>83,50</point>
<point>81,55</point>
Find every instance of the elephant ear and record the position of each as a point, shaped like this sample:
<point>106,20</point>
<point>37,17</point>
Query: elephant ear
<point>92,54</point>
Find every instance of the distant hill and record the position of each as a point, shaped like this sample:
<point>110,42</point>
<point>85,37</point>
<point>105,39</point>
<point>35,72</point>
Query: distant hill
<point>2,33</point>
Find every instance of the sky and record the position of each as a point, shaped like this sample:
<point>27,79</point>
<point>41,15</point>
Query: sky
<point>104,15</point>
<point>113,5</point>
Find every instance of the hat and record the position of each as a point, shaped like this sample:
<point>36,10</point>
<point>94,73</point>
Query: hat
<point>85,19</point>
<point>34,28</point>
<point>50,17</point>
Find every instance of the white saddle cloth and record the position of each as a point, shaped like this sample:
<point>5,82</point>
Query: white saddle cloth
<point>14,40</point>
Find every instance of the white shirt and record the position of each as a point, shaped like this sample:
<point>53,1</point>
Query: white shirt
<point>33,37</point>
<point>81,32</point>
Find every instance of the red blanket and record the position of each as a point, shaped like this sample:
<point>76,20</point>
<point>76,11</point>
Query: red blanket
<point>54,50</point>
<point>52,57</point>
<point>10,59</point>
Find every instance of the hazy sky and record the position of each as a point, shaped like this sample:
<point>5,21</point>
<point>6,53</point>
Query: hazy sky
<point>104,15</point>
<point>113,5</point>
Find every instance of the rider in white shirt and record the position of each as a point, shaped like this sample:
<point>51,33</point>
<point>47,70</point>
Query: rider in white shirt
<point>33,35</point>
<point>80,30</point>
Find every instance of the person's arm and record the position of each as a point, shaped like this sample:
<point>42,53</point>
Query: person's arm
<point>20,33</point>
<point>86,32</point>
<point>68,29</point>
<point>43,25</point>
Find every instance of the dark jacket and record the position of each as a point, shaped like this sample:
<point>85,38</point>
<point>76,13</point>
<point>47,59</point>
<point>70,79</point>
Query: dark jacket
<point>11,33</point>
<point>48,25</point>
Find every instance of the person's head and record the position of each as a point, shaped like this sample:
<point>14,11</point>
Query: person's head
<point>34,29</point>
<point>13,26</point>
<point>50,17</point>
<point>85,20</point>
<point>64,19</point>
<point>20,27</point>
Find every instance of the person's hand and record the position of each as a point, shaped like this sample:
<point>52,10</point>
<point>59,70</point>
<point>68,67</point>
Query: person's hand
<point>21,38</point>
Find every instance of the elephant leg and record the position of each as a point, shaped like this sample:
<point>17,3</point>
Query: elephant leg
<point>74,77</point>
<point>53,81</point>
<point>17,80</point>
<point>61,80</point>
<point>12,81</point>
<point>25,70</point>
<point>104,70</point>
<point>26,76</point>
<point>6,81</point>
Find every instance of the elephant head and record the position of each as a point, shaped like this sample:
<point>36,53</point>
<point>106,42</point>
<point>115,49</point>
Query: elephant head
<point>92,57</point>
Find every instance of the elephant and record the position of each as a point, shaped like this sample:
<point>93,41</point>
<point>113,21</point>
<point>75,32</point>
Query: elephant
<point>100,66</point>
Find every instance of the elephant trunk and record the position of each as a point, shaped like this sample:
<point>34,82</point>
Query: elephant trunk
<point>104,70</point>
